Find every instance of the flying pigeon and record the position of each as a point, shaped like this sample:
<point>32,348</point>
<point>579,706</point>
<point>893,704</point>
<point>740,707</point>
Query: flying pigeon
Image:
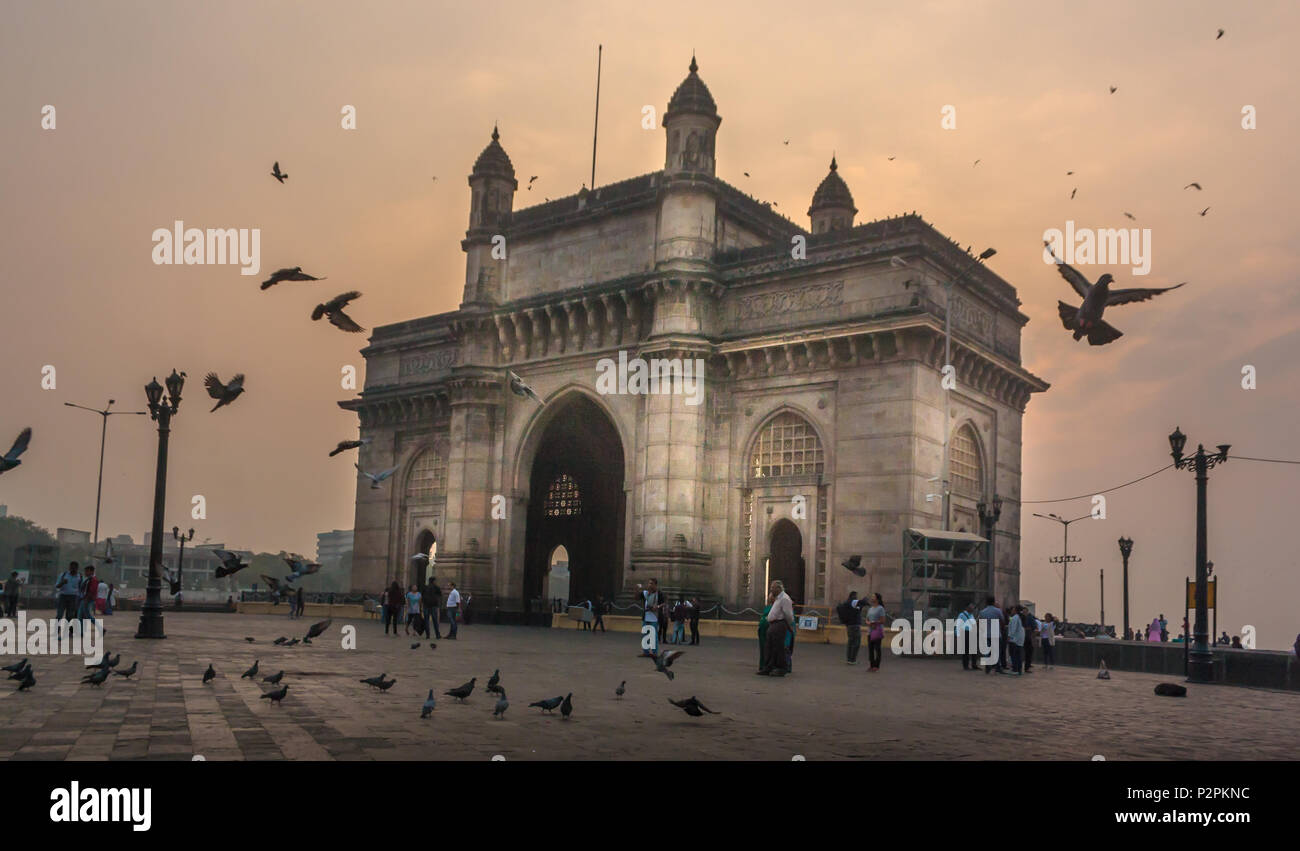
<point>891,159</point>
<point>692,707</point>
<point>10,459</point>
<point>316,629</point>
<point>1131,216</point>
<point>376,478</point>
<point>97,678</point>
<point>345,445</point>
<point>530,182</point>
<point>1219,36</point>
<point>277,695</point>
<point>223,393</point>
<point>519,388</point>
<point>15,667</point>
<point>173,581</point>
<point>333,309</point>
<point>230,564</point>
<point>1193,185</point>
<point>429,704</point>
<point>291,273</point>
<point>300,567</point>
<point>276,173</point>
<point>745,173</point>
<point>1206,210</point>
<point>566,708</point>
<point>420,558</point>
<point>251,672</point>
<point>210,674</point>
<point>129,671</point>
<point>502,705</point>
<point>273,679</point>
<point>1069,173</point>
<point>1072,191</point>
<point>853,565</point>
<point>1086,319</point>
<point>375,681</point>
<point>1114,89</point>
<point>977,162</point>
<point>787,141</point>
<point>549,704</point>
<point>665,660</point>
<point>621,690</point>
<point>27,682</point>
<point>462,692</point>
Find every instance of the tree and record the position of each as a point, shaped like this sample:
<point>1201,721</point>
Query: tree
<point>17,532</point>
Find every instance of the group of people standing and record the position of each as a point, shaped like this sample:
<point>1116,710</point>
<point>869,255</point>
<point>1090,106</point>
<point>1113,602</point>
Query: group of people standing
<point>80,594</point>
<point>1018,632</point>
<point>421,608</point>
<point>850,614</point>
<point>658,612</point>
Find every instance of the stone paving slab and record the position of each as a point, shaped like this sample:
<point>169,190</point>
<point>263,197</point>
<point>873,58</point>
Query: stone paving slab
<point>911,709</point>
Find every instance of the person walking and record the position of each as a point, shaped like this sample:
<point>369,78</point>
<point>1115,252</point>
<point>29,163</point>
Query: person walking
<point>780,622</point>
<point>412,610</point>
<point>1015,639</point>
<point>650,615</point>
<point>66,588</point>
<point>694,620</point>
<point>1047,635</point>
<point>393,607</point>
<point>300,602</point>
<point>87,594</point>
<point>429,609</point>
<point>991,615</point>
<point>850,614</point>
<point>433,599</point>
<point>967,641</point>
<point>453,610</point>
<point>110,599</point>
<point>13,587</point>
<point>876,623</point>
<point>598,614</point>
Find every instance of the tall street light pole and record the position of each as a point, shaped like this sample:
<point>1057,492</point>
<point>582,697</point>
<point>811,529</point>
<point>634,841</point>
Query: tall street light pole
<point>1064,559</point>
<point>103,436</point>
<point>1200,661</point>
<point>161,410</point>
<point>1126,550</point>
<point>180,559</point>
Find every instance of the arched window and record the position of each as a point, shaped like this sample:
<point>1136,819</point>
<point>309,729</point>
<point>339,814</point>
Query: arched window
<point>964,461</point>
<point>562,497</point>
<point>787,446</point>
<point>428,477</point>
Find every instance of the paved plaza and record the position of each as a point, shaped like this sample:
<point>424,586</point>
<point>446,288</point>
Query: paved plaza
<point>911,709</point>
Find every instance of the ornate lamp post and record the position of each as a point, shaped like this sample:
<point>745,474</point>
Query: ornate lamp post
<point>1125,550</point>
<point>180,560</point>
<point>1200,661</point>
<point>161,410</point>
<point>988,520</point>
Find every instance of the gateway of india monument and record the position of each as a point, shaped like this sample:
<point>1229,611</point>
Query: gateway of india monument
<point>824,425</point>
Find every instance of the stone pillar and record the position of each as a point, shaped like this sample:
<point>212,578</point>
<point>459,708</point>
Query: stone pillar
<point>472,477</point>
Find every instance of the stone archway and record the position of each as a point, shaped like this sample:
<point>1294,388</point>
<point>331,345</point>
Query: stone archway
<point>576,500</point>
<point>786,561</point>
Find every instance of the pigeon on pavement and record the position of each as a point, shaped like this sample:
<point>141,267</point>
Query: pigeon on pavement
<point>129,671</point>
<point>463,691</point>
<point>549,704</point>
<point>251,672</point>
<point>273,679</point>
<point>692,707</point>
<point>97,678</point>
<point>210,674</point>
<point>566,708</point>
<point>502,705</point>
<point>277,695</point>
<point>428,706</point>
<point>621,690</point>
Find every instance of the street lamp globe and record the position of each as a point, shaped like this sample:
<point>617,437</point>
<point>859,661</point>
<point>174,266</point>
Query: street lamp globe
<point>1177,441</point>
<point>175,382</point>
<point>153,392</point>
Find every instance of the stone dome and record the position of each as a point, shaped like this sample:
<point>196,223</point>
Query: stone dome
<point>494,162</point>
<point>692,95</point>
<point>832,193</point>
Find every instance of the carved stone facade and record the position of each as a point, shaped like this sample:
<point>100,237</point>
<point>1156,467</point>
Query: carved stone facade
<point>813,436</point>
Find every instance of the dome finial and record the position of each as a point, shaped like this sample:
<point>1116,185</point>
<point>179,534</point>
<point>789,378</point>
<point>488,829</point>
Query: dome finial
<point>834,167</point>
<point>495,134</point>
<point>694,67</point>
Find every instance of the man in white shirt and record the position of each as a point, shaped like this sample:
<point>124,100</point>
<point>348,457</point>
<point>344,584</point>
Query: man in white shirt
<point>780,621</point>
<point>453,609</point>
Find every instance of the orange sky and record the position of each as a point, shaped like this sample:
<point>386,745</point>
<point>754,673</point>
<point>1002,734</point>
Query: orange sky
<point>176,111</point>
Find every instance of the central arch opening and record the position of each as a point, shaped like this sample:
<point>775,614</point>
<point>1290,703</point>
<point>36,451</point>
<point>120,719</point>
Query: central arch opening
<point>786,561</point>
<point>576,502</point>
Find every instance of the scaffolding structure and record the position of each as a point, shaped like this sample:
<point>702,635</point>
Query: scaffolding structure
<point>943,572</point>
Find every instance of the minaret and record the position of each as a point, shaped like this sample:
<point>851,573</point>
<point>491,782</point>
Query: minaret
<point>492,185</point>
<point>832,204</point>
<point>692,124</point>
